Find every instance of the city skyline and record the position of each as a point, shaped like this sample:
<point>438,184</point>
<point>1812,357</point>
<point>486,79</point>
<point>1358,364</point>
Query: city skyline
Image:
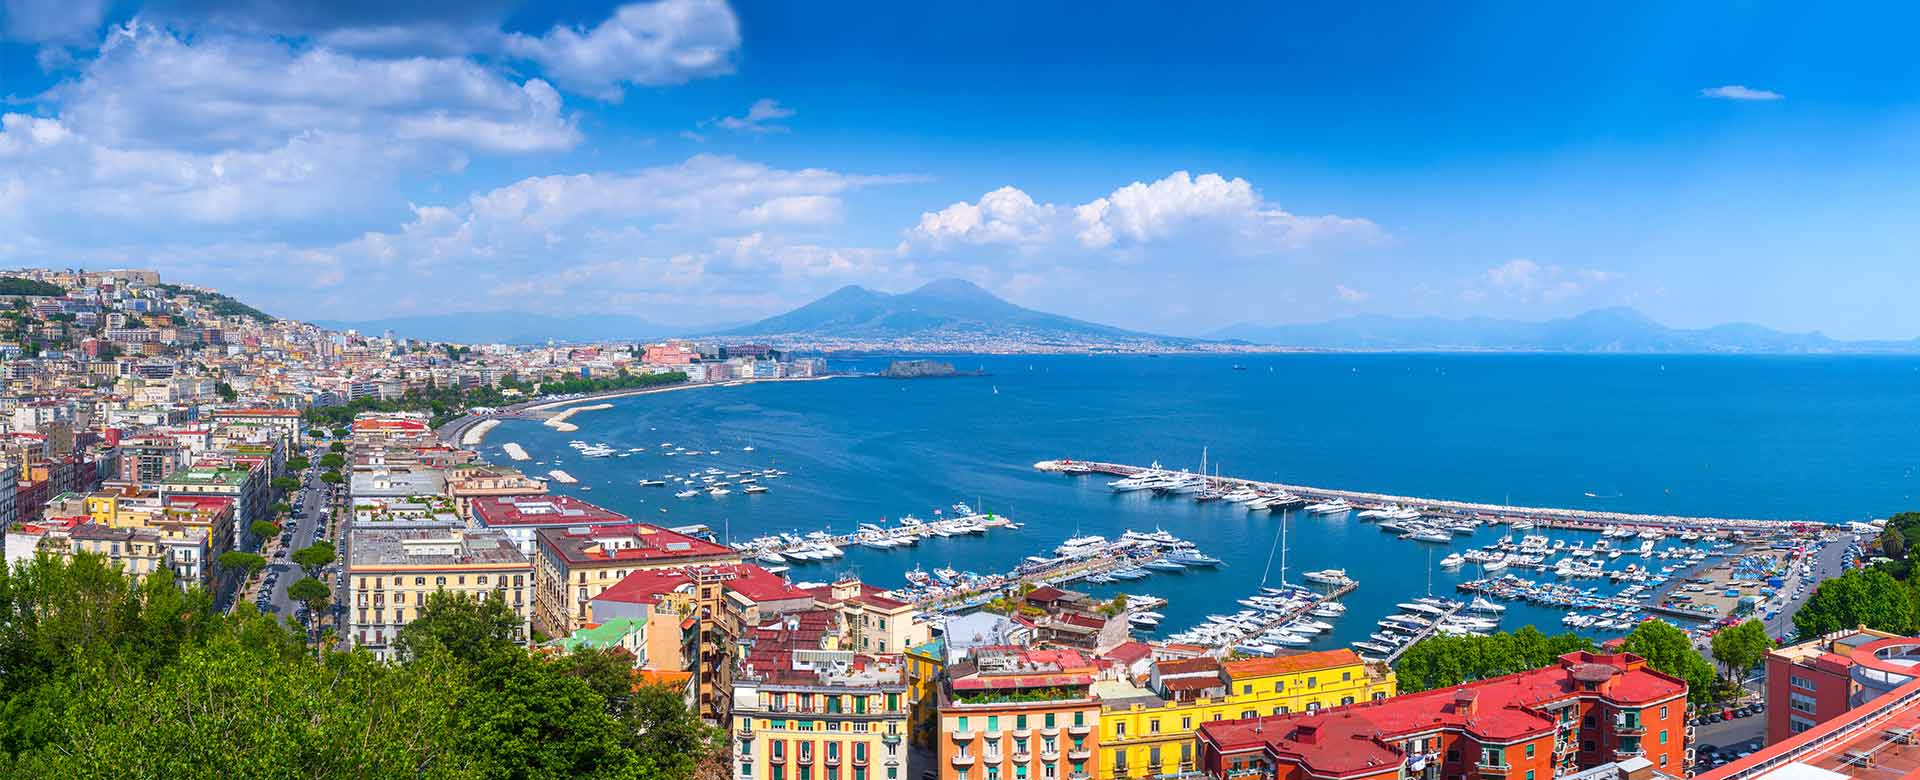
<point>697,162</point>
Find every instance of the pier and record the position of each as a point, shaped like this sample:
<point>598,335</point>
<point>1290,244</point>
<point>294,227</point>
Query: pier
<point>1580,519</point>
<point>1424,633</point>
<point>962,525</point>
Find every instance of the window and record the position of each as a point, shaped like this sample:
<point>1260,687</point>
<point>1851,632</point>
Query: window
<point>1119,762</point>
<point>1801,702</point>
<point>1186,723</point>
<point>1529,750</point>
<point>1280,710</point>
<point>1529,774</point>
<point>1587,745</point>
<point>1153,757</point>
<point>1493,757</point>
<point>963,724</point>
<point>1279,686</point>
<point>1248,688</point>
<point>1153,726</point>
<point>1587,721</point>
<point>1020,722</point>
<point>1048,721</point>
<point>1802,682</point>
<point>1244,714</point>
<point>1313,706</point>
<point>746,768</point>
<point>1312,682</point>
<point>1663,736</point>
<point>993,723</point>
<point>1797,724</point>
<point>1663,712</point>
<point>1119,730</point>
<point>1345,700</point>
<point>1346,676</point>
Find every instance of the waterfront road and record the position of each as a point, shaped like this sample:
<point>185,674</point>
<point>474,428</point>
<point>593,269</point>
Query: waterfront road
<point>1829,562</point>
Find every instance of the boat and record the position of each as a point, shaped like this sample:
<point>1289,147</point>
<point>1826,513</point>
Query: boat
<point>1192,558</point>
<point>1334,507</point>
<point>1146,620</point>
<point>719,491</point>
<point>1130,573</point>
<point>1452,560</point>
<point>1289,639</point>
<point>1328,576</point>
<point>687,494</point>
<point>755,489</point>
<point>1163,564</point>
<point>1078,546</point>
<point>653,483</point>
<point>772,557</point>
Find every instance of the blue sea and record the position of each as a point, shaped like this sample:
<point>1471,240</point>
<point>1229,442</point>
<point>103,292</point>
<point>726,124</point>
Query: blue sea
<point>1819,438</point>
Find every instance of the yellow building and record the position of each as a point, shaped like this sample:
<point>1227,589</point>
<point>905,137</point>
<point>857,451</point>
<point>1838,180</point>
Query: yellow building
<point>391,572</point>
<point>1146,732</point>
<point>803,709</point>
<point>924,664</point>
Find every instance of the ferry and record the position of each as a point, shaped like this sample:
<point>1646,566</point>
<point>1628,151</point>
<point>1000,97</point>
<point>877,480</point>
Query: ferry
<point>1076,547</point>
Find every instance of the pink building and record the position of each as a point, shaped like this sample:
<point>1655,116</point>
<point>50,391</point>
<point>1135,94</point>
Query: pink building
<point>669,354</point>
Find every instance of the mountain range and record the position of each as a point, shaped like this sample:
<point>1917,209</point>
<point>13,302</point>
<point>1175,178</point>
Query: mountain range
<point>948,308</point>
<point>1601,330</point>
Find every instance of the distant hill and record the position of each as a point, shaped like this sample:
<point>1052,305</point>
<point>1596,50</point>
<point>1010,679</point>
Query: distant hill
<point>948,308</point>
<point>506,327</point>
<point>1602,330</point>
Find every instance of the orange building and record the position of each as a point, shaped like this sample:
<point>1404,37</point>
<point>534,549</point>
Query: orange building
<point>1018,713</point>
<point>1587,710</point>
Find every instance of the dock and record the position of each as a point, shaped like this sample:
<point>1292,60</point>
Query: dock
<point>1553,517</point>
<point>562,477</point>
<point>1423,634</point>
<point>515,451</point>
<point>953,526</point>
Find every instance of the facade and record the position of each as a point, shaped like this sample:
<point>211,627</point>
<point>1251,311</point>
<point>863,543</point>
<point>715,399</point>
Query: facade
<point>390,573</point>
<point>1812,682</point>
<point>469,481</point>
<point>576,563</point>
<point>1014,713</point>
<point>805,708</point>
<point>1149,732</point>
<point>1587,711</point>
<point>521,516</point>
<point>874,623</point>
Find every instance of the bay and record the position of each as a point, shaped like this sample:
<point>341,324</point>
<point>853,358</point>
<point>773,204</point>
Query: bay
<point>1821,438</point>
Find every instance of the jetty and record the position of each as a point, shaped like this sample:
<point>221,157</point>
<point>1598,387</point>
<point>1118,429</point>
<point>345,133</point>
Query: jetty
<point>1585,519</point>
<point>515,451</point>
<point>562,477</point>
<point>1424,633</point>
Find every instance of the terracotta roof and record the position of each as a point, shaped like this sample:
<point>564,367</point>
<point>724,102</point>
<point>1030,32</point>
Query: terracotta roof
<point>1290,664</point>
<point>1188,666</point>
<point>636,542</point>
<point>549,510</point>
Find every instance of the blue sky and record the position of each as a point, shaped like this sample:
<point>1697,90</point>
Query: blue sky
<point>1161,167</point>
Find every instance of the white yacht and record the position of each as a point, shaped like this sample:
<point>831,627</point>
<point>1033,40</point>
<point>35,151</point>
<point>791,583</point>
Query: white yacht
<point>1334,507</point>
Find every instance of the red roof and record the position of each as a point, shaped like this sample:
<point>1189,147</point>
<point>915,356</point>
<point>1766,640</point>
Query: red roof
<point>1287,664</point>
<point>1343,740</point>
<point>543,510</point>
<point>1130,651</point>
<point>648,585</point>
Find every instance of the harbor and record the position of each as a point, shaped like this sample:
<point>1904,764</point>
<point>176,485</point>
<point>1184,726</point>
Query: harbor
<point>780,551</point>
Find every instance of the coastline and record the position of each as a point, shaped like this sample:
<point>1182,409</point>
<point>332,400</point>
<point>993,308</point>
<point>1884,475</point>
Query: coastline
<point>474,433</point>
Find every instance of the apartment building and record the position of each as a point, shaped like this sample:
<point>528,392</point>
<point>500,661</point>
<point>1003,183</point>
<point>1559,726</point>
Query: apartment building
<point>806,708</point>
<point>575,563</point>
<point>1014,713</point>
<point>1813,682</point>
<point>391,571</point>
<point>1147,732</point>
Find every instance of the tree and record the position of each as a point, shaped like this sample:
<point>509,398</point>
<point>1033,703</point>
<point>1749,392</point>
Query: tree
<point>244,562</point>
<point>341,433</point>
<point>333,461</point>
<point>335,447</point>
<point>298,463</point>
<point>1741,647</point>
<point>279,509</point>
<point>264,530</point>
<point>469,629</point>
<point>225,391</point>
<point>331,477</point>
<point>1440,661</point>
<point>314,557</point>
<point>1668,649</point>
<point>1870,598</point>
<point>284,484</point>
<point>317,596</point>
<point>1893,542</point>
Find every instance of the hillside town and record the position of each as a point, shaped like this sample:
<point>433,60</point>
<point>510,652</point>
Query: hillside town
<point>322,477</point>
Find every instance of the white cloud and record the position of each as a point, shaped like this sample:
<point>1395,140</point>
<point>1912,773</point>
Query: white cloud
<point>1739,92</point>
<point>1524,280</point>
<point>759,119</point>
<point>645,44</point>
<point>1206,212</point>
<point>1349,295</point>
<point>52,21</point>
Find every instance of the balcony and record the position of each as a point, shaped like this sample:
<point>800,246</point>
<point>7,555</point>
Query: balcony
<point>860,759</point>
<point>1050,731</point>
<point>833,759</point>
<point>891,739</point>
<point>1078,776</point>
<point>806,758</point>
<point>1081,753</point>
<point>1049,754</point>
<point>1625,726</point>
<point>962,735</point>
<point>746,728</point>
<point>1022,733</point>
<point>1021,756</point>
<point>1689,733</point>
<point>1080,729</point>
<point>1498,770</point>
<point>963,759</point>
<point>1622,755</point>
<point>777,758</point>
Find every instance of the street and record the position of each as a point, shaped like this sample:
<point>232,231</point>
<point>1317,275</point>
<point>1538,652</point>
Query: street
<point>310,511</point>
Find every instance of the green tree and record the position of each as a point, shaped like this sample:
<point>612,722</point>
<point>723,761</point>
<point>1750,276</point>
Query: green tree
<point>333,461</point>
<point>331,477</point>
<point>298,463</point>
<point>264,530</point>
<point>1440,661</point>
<point>1670,650</point>
<point>313,557</point>
<point>244,562</point>
<point>1893,542</point>
<point>284,484</point>
<point>1740,647</point>
<point>470,629</point>
<point>225,391</point>
<point>335,447</point>
<point>1869,597</point>
<point>341,433</point>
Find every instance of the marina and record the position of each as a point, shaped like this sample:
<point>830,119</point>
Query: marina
<point>783,549</point>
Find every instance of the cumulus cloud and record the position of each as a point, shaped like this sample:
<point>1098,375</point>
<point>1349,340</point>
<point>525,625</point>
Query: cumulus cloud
<point>1206,211</point>
<point>645,44</point>
<point>52,21</point>
<point>760,118</point>
<point>1739,92</point>
<point>1524,280</point>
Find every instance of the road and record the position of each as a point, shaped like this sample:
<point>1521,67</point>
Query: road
<point>310,514</point>
<point>1827,564</point>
